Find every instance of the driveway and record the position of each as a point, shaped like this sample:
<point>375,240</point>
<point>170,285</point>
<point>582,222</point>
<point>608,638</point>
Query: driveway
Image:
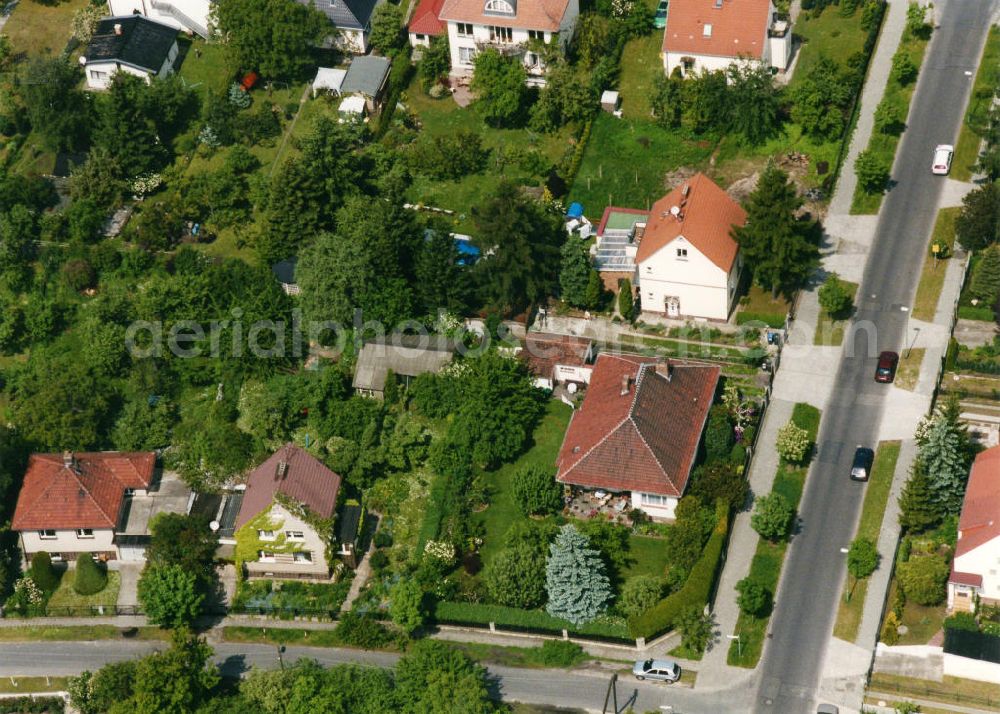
<point>127,594</point>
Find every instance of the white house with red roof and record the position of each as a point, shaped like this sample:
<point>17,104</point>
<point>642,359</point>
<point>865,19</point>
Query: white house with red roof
<point>687,262</point>
<point>284,528</point>
<point>708,35</point>
<point>510,26</point>
<point>977,552</point>
<point>98,503</point>
<point>425,23</point>
<point>638,430</point>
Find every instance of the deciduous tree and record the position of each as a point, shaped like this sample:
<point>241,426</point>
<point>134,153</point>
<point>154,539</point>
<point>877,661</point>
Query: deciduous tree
<point>978,224</point>
<point>434,678</point>
<point>924,579</point>
<point>820,100</point>
<point>754,599</point>
<point>406,606</point>
<point>387,28</point>
<point>170,595</point>
<point>516,577</point>
<point>498,82</point>
<point>536,491</point>
<point>772,517</point>
<point>872,172</point>
<point>834,296</point>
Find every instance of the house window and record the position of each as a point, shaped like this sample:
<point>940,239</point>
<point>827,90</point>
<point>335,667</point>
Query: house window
<point>98,75</point>
<point>464,29</point>
<point>682,253</point>
<point>303,556</point>
<point>265,556</point>
<point>501,34</point>
<point>466,54</point>
<point>530,59</point>
<point>420,38</point>
<point>498,7</point>
<point>84,532</point>
<point>47,534</point>
<point>295,535</point>
<point>649,295</point>
<point>536,35</point>
<point>654,499</point>
<point>706,31</point>
<point>687,64</point>
<point>129,491</point>
<point>265,535</point>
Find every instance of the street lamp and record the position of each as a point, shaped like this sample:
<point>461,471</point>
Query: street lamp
<point>916,332</point>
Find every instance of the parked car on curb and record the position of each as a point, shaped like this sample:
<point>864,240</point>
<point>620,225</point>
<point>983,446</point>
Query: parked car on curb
<point>663,670</point>
<point>885,372</point>
<point>861,467</point>
<point>943,154</point>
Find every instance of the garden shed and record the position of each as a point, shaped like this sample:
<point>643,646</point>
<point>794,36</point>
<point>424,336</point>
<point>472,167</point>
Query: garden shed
<point>367,77</point>
<point>328,79</point>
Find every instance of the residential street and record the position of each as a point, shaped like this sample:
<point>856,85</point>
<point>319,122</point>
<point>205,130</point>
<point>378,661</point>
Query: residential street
<point>814,571</point>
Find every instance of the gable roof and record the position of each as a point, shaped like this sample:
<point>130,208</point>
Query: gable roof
<point>306,479</point>
<point>366,76</point>
<point>738,27</point>
<point>403,354</point>
<point>79,490</point>
<point>347,14</point>
<point>529,15</point>
<point>979,522</point>
<point>142,43</point>
<point>707,216</point>
<point>425,20</point>
<point>641,434</point>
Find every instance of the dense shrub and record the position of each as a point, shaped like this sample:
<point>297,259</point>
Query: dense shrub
<point>962,621</point>
<point>32,705</point>
<point>43,573</point>
<point>639,594</point>
<point>793,443</point>
<point>924,579</point>
<point>560,653</point>
<point>772,516</point>
<point>754,599</point>
<point>90,577</point>
<point>718,434</point>
<point>362,631</point>
<point>536,491</point>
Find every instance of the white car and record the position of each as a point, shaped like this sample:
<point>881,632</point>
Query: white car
<point>942,159</point>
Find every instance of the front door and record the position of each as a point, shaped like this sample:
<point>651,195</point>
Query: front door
<point>673,307</point>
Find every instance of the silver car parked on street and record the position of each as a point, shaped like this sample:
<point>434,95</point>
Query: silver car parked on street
<point>662,670</point>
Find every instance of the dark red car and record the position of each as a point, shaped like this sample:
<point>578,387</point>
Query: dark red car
<point>886,370</point>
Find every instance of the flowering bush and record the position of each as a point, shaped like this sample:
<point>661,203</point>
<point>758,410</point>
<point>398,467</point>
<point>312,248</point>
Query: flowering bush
<point>621,8</point>
<point>146,183</point>
<point>440,550</point>
<point>27,597</point>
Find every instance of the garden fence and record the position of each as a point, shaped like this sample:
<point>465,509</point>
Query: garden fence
<point>914,688</point>
<point>974,645</point>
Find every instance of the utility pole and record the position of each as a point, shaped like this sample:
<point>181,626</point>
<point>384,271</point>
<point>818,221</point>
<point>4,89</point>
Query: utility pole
<point>281,651</point>
<point>612,693</point>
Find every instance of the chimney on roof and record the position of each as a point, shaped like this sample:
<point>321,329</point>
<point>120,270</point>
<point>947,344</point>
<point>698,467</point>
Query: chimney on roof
<point>118,28</point>
<point>665,370</point>
<point>69,461</point>
<point>282,471</point>
<point>626,383</point>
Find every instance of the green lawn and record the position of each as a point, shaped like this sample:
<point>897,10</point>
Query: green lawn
<point>502,511</point>
<point>15,685</point>
<point>830,330</point>
<point>206,66</point>
<point>647,556</point>
<point>977,115</point>
<point>759,305</point>
<point>932,274</point>
<point>884,145</point>
<point>869,526</point>
<point>36,29</point>
<point>441,117</point>
<point>908,372</point>
<point>641,64</point>
<point>765,568</point>
<point>626,161</point>
<point>828,34</point>
<point>65,596</point>
<point>74,633</point>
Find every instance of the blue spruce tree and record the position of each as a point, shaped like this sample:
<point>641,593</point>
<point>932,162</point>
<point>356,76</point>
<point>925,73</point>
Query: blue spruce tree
<point>578,587</point>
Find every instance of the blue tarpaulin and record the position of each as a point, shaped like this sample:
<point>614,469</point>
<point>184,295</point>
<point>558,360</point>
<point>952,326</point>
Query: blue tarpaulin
<point>575,210</point>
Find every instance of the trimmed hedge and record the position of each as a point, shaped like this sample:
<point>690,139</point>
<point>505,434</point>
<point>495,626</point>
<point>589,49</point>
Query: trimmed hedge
<point>771,319</point>
<point>32,705</point>
<point>43,573</point>
<point>90,577</point>
<point>468,613</point>
<point>697,590</point>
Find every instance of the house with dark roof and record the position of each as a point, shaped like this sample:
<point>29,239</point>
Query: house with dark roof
<point>426,23</point>
<point>406,356</point>
<point>638,430</point>
<point>367,78</point>
<point>284,527</point>
<point>977,551</point>
<point>513,27</point>
<point>687,262</point>
<point>98,503</point>
<point>132,44</point>
<point>709,35</point>
<point>558,359</point>
<point>353,19</point>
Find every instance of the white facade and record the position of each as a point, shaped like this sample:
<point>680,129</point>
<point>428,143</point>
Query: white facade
<point>680,281</point>
<point>295,530</point>
<point>983,561</point>
<point>657,506</point>
<point>419,39</point>
<point>68,543</point>
<point>466,38</point>
<point>186,15</point>
<point>100,74</point>
<point>355,41</point>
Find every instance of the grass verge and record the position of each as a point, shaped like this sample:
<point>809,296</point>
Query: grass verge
<point>75,633</point>
<point>869,526</point>
<point>977,114</point>
<point>27,685</point>
<point>954,690</point>
<point>932,274</point>
<point>830,329</point>
<point>765,568</point>
<point>881,144</point>
<point>282,636</point>
<point>908,373</point>
<point>526,657</point>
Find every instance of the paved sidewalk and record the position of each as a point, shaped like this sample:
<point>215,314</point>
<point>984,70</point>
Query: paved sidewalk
<point>878,76</point>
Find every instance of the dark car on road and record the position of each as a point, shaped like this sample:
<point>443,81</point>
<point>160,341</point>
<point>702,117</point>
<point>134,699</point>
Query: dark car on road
<point>861,467</point>
<point>886,370</point>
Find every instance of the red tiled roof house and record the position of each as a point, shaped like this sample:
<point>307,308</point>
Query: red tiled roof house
<point>75,503</point>
<point>285,523</point>
<point>687,262</point>
<point>977,552</point>
<point>509,26</point>
<point>638,430</point>
<point>712,34</point>
<point>425,23</point>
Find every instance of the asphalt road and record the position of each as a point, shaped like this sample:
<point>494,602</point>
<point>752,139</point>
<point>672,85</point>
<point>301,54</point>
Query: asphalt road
<point>583,690</point>
<point>814,572</point>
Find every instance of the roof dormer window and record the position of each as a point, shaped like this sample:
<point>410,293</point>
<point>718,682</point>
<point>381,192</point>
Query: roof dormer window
<point>500,7</point>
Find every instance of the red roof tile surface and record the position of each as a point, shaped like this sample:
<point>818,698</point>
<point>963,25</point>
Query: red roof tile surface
<point>707,216</point>
<point>543,351</point>
<point>530,15</point>
<point>739,27</point>
<point>87,493</point>
<point>306,479</point>
<point>973,579</point>
<point>639,435</point>
<point>979,522</point>
<point>425,18</point>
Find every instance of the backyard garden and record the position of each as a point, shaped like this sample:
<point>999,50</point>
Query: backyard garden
<point>56,590</point>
